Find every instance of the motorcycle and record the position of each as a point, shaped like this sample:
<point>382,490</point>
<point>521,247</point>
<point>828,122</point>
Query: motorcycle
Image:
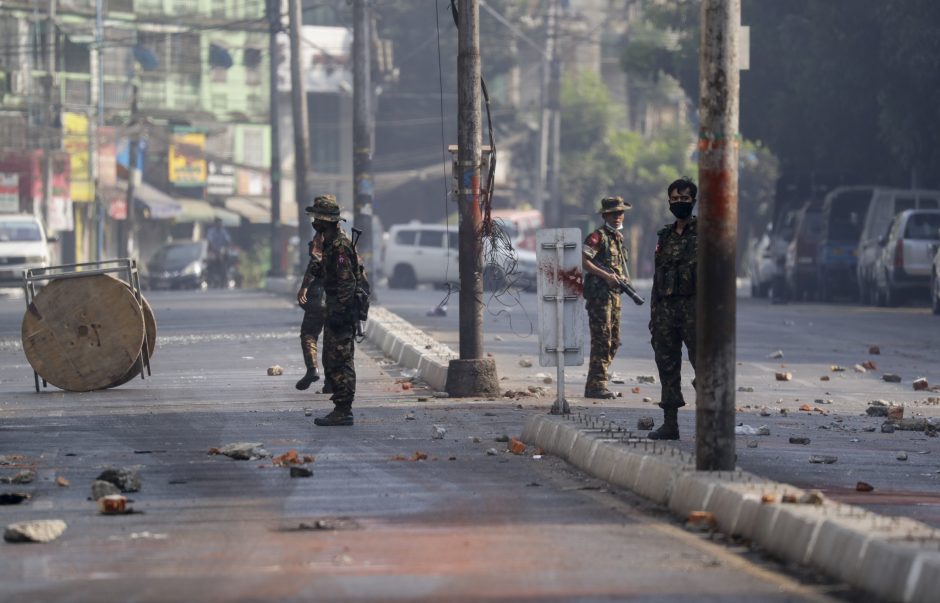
<point>222,268</point>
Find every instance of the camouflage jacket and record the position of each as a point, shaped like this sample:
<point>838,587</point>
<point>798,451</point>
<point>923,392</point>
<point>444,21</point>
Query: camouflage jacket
<point>337,271</point>
<point>676,258</point>
<point>312,281</point>
<point>605,248</point>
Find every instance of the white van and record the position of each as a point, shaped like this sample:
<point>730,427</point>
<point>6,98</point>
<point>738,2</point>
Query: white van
<point>419,253</point>
<point>23,245</point>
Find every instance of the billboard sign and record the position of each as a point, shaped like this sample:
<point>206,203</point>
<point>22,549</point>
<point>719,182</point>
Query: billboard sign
<point>187,159</point>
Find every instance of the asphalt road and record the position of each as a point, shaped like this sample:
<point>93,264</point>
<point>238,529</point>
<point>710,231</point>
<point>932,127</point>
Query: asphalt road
<point>462,525</point>
<point>811,337</point>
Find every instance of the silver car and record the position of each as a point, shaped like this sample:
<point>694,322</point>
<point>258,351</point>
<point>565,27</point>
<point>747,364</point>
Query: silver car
<point>907,256</point>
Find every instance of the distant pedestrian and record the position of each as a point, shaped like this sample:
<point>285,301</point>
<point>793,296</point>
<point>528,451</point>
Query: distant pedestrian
<point>672,307</point>
<point>337,271</point>
<point>312,299</point>
<point>605,267</point>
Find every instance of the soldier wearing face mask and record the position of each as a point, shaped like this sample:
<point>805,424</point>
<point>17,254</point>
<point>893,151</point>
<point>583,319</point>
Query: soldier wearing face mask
<point>605,267</point>
<point>672,307</point>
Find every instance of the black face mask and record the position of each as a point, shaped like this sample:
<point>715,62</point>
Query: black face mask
<point>681,209</point>
<point>319,226</point>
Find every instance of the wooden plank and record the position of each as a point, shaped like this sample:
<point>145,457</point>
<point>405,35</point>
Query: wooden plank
<point>82,334</point>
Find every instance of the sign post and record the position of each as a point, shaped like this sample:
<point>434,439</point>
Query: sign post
<point>558,254</point>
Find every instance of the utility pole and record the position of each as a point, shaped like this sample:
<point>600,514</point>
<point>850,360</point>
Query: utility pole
<point>545,118</point>
<point>97,95</point>
<point>554,110</point>
<point>49,138</point>
<point>362,128</point>
<point>274,25</point>
<point>301,131</point>
<point>471,374</point>
<point>719,90</point>
<point>132,175</point>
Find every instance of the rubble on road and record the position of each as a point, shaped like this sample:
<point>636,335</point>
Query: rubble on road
<point>752,443</point>
<point>823,459</point>
<point>917,424</point>
<point>40,530</point>
<point>863,487</point>
<point>901,456</point>
<point>891,378</point>
<point>920,384</point>
<point>874,350</point>
<point>438,432</point>
<point>743,429</point>
<point>242,451</point>
<point>799,440</point>
<point>275,371</point>
<point>813,497</point>
<point>765,412</point>
<point>13,498</point>
<point>650,379</point>
<point>491,452</point>
<point>128,480</point>
<point>835,368</point>
<point>441,394</point>
<point>784,376</point>
<point>824,378</point>
<point>300,471</point>
<point>61,482</point>
<point>516,447</point>
<point>858,368</point>
<point>869,365</point>
<point>113,504</point>
<point>525,363</point>
<point>645,423</point>
<point>776,355</point>
<point>647,400</point>
<point>25,476</point>
<point>746,390</point>
<point>887,427</point>
<point>874,410</point>
<point>291,458</point>
<point>896,413</point>
<point>101,488</point>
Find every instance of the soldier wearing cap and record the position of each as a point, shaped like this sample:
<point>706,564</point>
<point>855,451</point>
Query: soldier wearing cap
<point>337,272</point>
<point>605,267</point>
<point>672,306</point>
<point>311,298</point>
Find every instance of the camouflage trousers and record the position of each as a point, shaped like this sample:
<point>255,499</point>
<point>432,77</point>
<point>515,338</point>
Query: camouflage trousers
<point>339,367</point>
<point>672,323</point>
<point>604,323</point>
<point>310,329</point>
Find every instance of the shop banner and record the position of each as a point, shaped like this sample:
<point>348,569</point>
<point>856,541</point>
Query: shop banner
<point>187,158</point>
<point>75,143</point>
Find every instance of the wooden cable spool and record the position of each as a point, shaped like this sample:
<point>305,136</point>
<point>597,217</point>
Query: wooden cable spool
<point>150,323</point>
<point>83,333</point>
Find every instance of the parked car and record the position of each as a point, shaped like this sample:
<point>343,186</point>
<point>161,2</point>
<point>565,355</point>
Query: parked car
<point>418,253</point>
<point>800,265</point>
<point>23,245</point>
<point>885,205</point>
<point>178,265</point>
<point>907,252</point>
<point>935,283</point>
<point>762,264</point>
<point>843,214</point>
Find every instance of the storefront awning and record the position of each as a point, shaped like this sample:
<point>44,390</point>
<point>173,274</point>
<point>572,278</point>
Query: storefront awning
<point>257,210</point>
<point>194,210</point>
<point>157,204</point>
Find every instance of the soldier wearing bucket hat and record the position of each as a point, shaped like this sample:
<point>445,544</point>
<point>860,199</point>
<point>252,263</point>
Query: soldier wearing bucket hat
<point>337,273</point>
<point>605,268</point>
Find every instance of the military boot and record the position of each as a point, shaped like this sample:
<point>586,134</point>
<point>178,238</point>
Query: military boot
<point>600,394</point>
<point>669,430</point>
<point>340,417</point>
<point>311,376</point>
<point>327,387</point>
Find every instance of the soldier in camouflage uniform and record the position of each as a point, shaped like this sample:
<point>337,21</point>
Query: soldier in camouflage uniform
<point>672,307</point>
<point>310,297</point>
<point>338,274</point>
<point>605,266</point>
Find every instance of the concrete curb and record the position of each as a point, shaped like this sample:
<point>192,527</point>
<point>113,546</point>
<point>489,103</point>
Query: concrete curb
<point>897,559</point>
<point>409,346</point>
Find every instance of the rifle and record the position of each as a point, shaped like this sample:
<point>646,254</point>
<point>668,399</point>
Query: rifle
<point>624,286</point>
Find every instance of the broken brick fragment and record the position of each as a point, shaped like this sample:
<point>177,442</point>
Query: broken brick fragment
<point>516,447</point>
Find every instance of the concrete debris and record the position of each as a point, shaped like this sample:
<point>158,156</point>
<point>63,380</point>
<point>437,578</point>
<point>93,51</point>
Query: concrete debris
<point>538,390</point>
<point>525,363</point>
<point>244,451</point>
<point>408,373</point>
<point>870,365</point>
<point>498,338</point>
<point>647,399</point>
<point>128,480</point>
<point>330,524</point>
<point>860,369</point>
<point>101,488</point>
<point>491,452</point>
<point>752,443</point>
<point>824,378</point>
<point>516,447</point>
<point>742,429</point>
<point>502,438</point>
<point>544,378</point>
<point>13,498</point>
<point>784,376</point>
<point>275,371</point>
<point>441,394</point>
<point>813,497</point>
<point>887,427</point>
<point>869,429</point>
<point>703,520</point>
<point>634,390</point>
<point>42,530</point>
<point>863,487</point>
<point>874,350</point>
<point>297,471</point>
<point>823,459</point>
<point>11,459</point>
<point>835,368</point>
<point>917,424</point>
<point>308,412</point>
<point>799,440</point>
<point>877,411</point>
<point>763,430</point>
<point>645,379</point>
<point>765,412</point>
<point>822,401</point>
<point>476,439</point>
<point>25,476</point>
<point>113,504</point>
<point>896,413</point>
<point>422,399</point>
<point>437,311</point>
<point>901,456</point>
<point>920,384</point>
<point>746,390</point>
<point>645,423</point>
<point>891,378</point>
<point>438,432</point>
<point>806,408</point>
<point>410,417</point>
<point>776,355</point>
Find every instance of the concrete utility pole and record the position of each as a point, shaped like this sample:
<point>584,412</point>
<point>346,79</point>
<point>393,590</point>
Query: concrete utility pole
<point>554,141</point>
<point>472,374</point>
<point>298,97</point>
<point>718,223</point>
<point>274,24</point>
<point>363,128</point>
<point>130,239</point>
<point>49,138</point>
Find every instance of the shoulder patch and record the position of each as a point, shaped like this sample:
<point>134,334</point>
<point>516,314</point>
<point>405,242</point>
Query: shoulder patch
<point>593,240</point>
